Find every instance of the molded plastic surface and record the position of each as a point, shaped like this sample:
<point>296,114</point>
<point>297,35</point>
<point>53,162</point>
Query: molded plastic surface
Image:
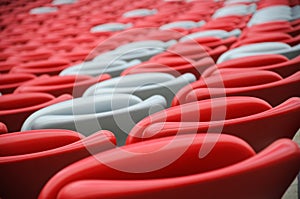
<point>115,112</point>
<point>15,108</point>
<point>273,89</point>
<point>266,14</point>
<point>58,85</point>
<point>256,45</point>
<point>222,80</point>
<point>142,50</point>
<point>143,85</point>
<point>276,63</point>
<point>182,24</point>
<point>261,48</point>
<point>110,27</point>
<point>222,34</point>
<point>238,9</point>
<point>9,82</point>
<point>50,67</point>
<point>139,13</point>
<point>180,155</point>
<point>3,128</point>
<point>174,65</point>
<point>29,159</point>
<point>258,123</point>
<point>100,67</point>
<point>188,176</point>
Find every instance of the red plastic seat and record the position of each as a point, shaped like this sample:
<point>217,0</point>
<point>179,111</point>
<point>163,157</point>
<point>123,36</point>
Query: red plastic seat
<point>227,23</point>
<point>15,108</point>
<point>272,26</point>
<point>174,169</point>
<point>30,46</point>
<point>29,159</point>
<point>225,78</point>
<point>180,154</point>
<point>214,42</point>
<point>9,82</point>
<point>162,35</point>
<point>5,66</point>
<point>174,65</point>
<point>58,85</point>
<point>77,55</point>
<point>265,3</point>
<point>46,44</point>
<point>251,119</point>
<point>50,67</point>
<point>273,91</point>
<point>37,55</point>
<point>197,50</point>
<point>276,63</point>
<point>278,26</point>
<point>62,46</point>
<point>266,37</point>
<point>3,128</point>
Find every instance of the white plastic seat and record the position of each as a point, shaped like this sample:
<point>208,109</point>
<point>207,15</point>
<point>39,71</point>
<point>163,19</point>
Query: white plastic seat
<point>228,2</point>
<point>222,34</point>
<point>97,67</point>
<point>139,13</point>
<point>143,85</point>
<point>110,27</point>
<point>62,2</point>
<point>117,113</point>
<point>235,10</point>
<point>259,49</point>
<point>142,50</point>
<point>296,12</point>
<point>271,13</point>
<point>43,10</point>
<point>182,24</point>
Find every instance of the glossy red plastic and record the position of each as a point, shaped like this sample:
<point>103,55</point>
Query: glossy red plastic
<point>39,44</point>
<point>50,67</point>
<point>15,108</point>
<point>214,42</point>
<point>274,92</point>
<point>3,128</point>
<point>227,23</point>
<point>9,82</point>
<point>194,50</point>
<point>225,78</point>
<point>275,26</point>
<point>36,55</point>
<point>31,46</point>
<point>189,176</point>
<point>162,35</point>
<point>58,85</point>
<point>5,66</point>
<point>77,55</point>
<point>177,55</point>
<point>259,124</point>
<point>276,63</point>
<point>174,65</point>
<point>29,159</point>
<point>265,3</point>
<point>185,151</point>
<point>265,37</point>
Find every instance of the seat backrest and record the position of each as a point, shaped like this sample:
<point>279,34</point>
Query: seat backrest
<point>165,158</point>
<point>266,175</point>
